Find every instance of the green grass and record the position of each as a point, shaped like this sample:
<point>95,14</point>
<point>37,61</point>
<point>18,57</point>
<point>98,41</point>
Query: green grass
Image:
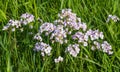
<point>16,49</point>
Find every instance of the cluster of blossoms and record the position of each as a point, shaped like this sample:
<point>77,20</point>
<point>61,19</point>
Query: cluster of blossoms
<point>82,38</point>
<point>73,49</point>
<point>59,34</point>
<point>70,20</point>
<point>26,18</point>
<point>113,17</point>
<point>95,34</point>
<point>47,27</point>
<point>43,47</point>
<point>15,24</point>
<point>59,59</point>
<point>70,25</point>
<point>105,47</point>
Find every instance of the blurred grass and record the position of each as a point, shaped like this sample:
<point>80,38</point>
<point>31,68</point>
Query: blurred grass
<point>20,57</point>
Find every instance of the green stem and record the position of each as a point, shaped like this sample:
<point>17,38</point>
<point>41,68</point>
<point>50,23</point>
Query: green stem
<point>8,62</point>
<point>62,1</point>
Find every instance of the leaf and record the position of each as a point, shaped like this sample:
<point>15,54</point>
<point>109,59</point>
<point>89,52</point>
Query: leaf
<point>2,15</point>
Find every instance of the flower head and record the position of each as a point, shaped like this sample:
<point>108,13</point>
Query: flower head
<point>94,34</point>
<point>59,59</point>
<point>82,38</point>
<point>26,18</point>
<point>113,17</point>
<point>43,47</point>
<point>38,37</point>
<point>106,47</point>
<point>59,34</point>
<point>13,24</point>
<point>47,27</point>
<point>73,49</point>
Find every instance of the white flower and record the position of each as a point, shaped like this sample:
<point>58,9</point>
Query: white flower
<point>13,29</point>
<point>110,52</point>
<point>85,44</point>
<point>69,32</point>
<point>5,27</point>
<point>38,37</point>
<point>59,59</point>
<point>93,48</point>
<point>84,26</point>
<point>73,53</point>
<point>86,37</point>
<point>48,50</point>
<point>56,60</point>
<point>43,54</point>
<point>97,44</point>
<point>101,35</point>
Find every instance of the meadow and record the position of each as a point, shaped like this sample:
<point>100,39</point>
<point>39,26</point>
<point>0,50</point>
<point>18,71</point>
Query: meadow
<point>22,49</point>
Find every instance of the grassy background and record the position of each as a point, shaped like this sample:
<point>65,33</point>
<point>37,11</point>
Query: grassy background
<point>16,49</point>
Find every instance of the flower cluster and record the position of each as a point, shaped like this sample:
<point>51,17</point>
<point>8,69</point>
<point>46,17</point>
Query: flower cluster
<point>69,25</point>
<point>113,17</point>
<point>105,47</point>
<point>73,49</point>
<point>26,18</point>
<point>59,34</point>
<point>15,24</point>
<point>43,47</point>
<point>47,27</point>
<point>95,34</point>
<point>69,19</point>
<point>82,38</point>
<point>12,24</point>
<point>59,59</point>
